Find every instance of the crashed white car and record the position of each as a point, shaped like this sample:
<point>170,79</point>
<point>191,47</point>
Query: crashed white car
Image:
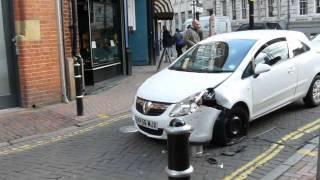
<point>222,83</point>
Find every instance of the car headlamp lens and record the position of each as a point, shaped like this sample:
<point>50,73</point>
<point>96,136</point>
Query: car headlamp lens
<point>188,105</point>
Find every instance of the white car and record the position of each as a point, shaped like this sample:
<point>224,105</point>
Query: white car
<point>222,83</point>
<point>316,42</point>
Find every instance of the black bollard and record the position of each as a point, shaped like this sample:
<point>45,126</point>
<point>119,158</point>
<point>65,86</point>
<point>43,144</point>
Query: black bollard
<point>179,167</point>
<point>78,82</point>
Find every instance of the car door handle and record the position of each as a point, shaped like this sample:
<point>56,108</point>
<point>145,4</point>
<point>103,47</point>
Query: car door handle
<point>291,70</point>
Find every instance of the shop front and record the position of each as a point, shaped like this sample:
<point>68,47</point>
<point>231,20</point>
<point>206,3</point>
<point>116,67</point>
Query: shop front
<point>100,39</point>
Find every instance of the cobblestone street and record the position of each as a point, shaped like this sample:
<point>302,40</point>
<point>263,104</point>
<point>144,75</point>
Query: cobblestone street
<point>103,152</point>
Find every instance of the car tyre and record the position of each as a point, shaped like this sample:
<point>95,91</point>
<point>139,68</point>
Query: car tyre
<point>312,98</point>
<point>232,127</point>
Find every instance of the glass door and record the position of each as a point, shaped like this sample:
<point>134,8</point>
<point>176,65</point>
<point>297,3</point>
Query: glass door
<point>8,83</point>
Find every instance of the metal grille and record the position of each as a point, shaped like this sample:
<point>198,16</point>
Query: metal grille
<point>151,131</point>
<point>150,108</point>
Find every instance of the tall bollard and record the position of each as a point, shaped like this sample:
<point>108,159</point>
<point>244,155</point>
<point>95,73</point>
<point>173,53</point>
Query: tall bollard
<point>78,81</point>
<point>179,167</point>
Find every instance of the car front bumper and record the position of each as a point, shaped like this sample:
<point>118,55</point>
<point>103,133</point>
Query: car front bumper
<point>202,122</point>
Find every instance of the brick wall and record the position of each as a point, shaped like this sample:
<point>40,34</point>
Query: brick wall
<point>39,65</point>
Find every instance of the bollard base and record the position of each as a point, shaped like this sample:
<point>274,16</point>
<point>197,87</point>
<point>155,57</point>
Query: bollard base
<point>179,174</point>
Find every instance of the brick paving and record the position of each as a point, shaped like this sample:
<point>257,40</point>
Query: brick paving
<point>15,124</point>
<point>306,169</point>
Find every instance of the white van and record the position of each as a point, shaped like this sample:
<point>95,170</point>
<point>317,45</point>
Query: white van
<point>222,24</point>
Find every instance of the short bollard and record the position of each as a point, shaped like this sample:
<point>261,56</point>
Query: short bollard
<point>78,82</point>
<point>179,167</point>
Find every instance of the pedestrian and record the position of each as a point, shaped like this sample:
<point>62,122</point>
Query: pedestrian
<point>167,42</point>
<point>179,42</point>
<point>166,38</point>
<point>192,35</point>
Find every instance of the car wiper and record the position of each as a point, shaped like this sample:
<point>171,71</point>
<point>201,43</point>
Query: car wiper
<point>222,71</point>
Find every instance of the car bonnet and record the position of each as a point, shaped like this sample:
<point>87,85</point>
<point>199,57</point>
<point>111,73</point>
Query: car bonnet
<point>172,86</point>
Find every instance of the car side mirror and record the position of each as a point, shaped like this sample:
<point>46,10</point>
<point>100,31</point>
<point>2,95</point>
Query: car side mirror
<point>261,68</point>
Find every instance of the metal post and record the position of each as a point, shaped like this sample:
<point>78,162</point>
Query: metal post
<point>251,14</point>
<point>318,164</point>
<point>77,60</point>
<point>194,9</point>
<point>288,16</point>
<point>78,82</point>
<point>179,167</point>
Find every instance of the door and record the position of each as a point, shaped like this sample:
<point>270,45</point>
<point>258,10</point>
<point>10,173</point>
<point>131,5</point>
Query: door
<point>277,86</point>
<point>8,80</point>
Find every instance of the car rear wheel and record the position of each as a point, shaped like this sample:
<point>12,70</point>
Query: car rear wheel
<point>312,98</point>
<point>232,127</point>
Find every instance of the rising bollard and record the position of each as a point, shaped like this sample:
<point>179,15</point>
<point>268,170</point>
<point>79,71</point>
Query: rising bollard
<point>78,82</point>
<point>179,167</point>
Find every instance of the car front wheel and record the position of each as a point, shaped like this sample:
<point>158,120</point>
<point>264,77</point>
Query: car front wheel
<point>312,98</point>
<point>232,127</point>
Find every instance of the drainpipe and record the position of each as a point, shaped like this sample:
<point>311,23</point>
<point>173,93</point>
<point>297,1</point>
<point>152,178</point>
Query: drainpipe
<point>288,16</point>
<point>61,51</point>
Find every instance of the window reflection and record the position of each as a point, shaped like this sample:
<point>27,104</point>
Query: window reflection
<point>104,32</point>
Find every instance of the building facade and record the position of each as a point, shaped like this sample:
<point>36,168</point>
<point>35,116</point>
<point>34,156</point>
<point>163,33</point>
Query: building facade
<point>37,40</point>
<point>36,48</point>
<point>303,15</point>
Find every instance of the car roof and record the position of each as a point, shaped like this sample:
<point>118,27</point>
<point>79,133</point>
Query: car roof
<point>255,35</point>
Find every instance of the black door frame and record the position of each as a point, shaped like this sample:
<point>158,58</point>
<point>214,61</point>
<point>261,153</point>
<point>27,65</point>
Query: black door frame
<point>14,99</point>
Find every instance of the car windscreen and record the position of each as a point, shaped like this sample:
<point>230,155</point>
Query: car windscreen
<point>214,57</point>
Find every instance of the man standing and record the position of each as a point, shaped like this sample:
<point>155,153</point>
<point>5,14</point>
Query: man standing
<point>192,35</point>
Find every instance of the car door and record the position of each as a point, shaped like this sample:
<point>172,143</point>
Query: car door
<point>277,86</point>
<point>302,56</point>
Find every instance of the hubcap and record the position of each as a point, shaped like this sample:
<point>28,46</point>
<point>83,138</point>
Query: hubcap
<point>316,91</point>
<point>235,125</point>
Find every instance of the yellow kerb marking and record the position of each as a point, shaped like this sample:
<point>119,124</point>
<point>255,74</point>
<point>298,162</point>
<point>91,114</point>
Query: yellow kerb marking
<point>103,116</point>
<point>61,137</point>
<point>245,170</point>
<point>307,152</point>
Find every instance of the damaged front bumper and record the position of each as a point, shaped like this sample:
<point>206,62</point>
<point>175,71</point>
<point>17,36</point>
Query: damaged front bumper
<point>202,122</point>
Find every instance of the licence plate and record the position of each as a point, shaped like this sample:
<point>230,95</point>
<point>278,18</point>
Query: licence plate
<point>147,123</point>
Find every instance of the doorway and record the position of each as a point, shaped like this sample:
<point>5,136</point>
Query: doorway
<point>8,67</point>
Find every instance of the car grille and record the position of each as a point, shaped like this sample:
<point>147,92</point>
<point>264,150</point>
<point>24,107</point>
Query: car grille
<point>151,108</point>
<point>151,131</point>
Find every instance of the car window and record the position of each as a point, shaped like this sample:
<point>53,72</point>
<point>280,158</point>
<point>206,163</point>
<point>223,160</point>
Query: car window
<point>214,57</point>
<point>273,26</point>
<point>259,26</point>
<point>298,47</point>
<point>243,27</point>
<point>273,53</point>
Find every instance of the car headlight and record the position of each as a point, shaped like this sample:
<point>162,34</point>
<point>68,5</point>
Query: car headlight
<point>188,105</point>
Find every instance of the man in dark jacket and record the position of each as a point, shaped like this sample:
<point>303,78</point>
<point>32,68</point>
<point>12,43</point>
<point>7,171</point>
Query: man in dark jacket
<point>167,38</point>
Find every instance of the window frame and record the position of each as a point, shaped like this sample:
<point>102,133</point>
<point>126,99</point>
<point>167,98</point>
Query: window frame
<point>224,7</point>
<point>234,9</point>
<point>271,42</point>
<point>306,7</point>
<point>270,5</point>
<point>244,9</point>
<point>292,48</point>
<point>317,6</point>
